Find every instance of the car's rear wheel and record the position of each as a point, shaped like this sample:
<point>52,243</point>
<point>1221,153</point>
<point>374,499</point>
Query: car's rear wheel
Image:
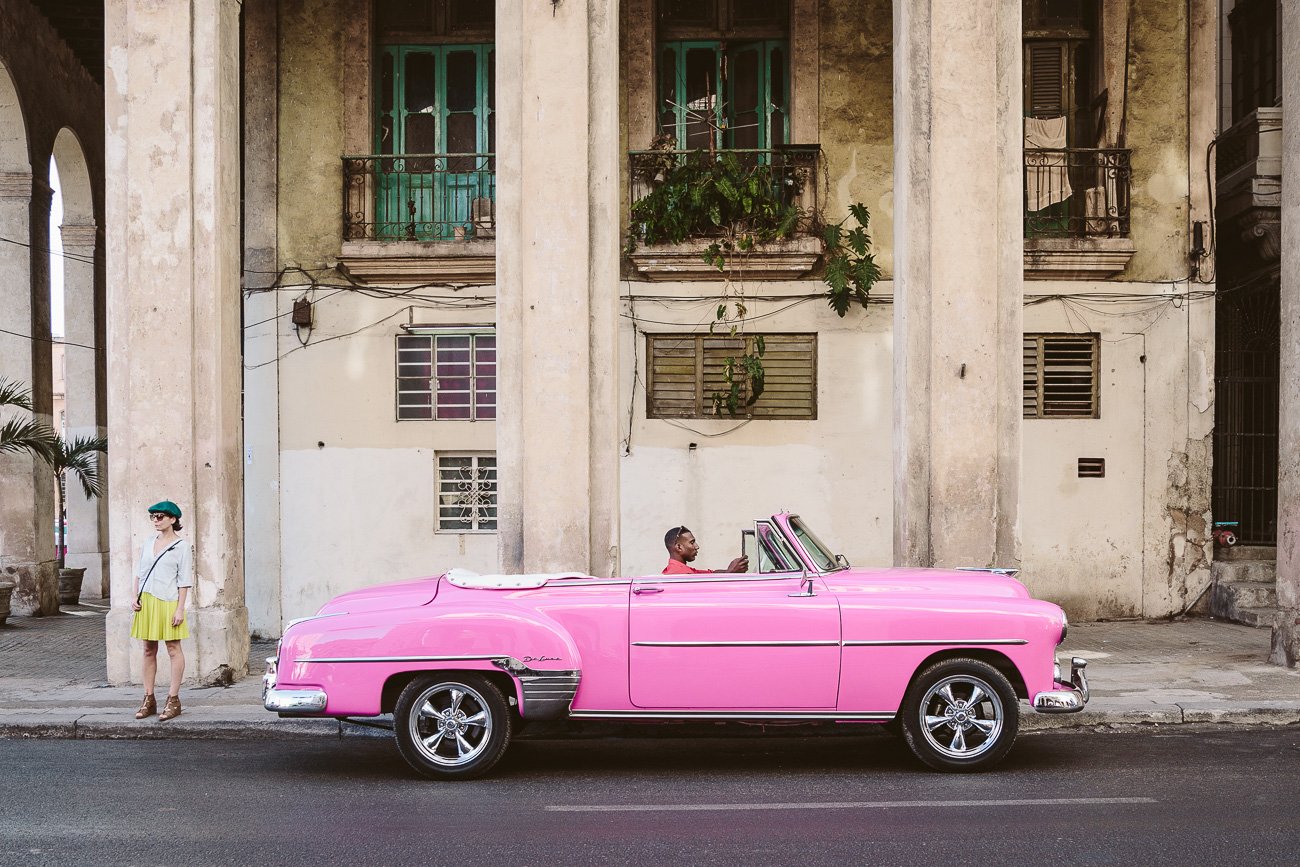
<point>452,726</point>
<point>960,715</point>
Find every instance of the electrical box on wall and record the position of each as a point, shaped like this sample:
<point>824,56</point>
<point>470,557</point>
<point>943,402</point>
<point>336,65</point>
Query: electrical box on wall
<point>301,317</point>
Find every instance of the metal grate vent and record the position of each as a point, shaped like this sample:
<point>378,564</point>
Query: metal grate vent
<point>1092,468</point>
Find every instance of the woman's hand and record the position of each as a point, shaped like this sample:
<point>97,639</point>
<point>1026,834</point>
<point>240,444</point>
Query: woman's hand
<point>178,618</point>
<point>135,606</point>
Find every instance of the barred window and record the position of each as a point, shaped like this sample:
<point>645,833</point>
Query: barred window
<point>467,492</point>
<point>685,371</point>
<point>447,376</point>
<point>1062,376</point>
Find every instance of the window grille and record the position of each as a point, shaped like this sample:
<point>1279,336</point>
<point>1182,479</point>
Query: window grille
<point>1061,376</point>
<point>451,376</point>
<point>467,492</point>
<point>684,371</point>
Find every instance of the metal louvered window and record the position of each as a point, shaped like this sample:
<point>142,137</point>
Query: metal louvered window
<point>1062,376</point>
<point>467,492</point>
<point>449,375</point>
<point>686,370</point>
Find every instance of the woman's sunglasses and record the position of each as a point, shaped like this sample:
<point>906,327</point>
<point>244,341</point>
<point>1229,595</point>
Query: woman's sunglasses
<point>158,516</point>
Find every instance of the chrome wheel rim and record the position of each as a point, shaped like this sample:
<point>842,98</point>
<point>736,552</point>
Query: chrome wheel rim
<point>961,716</point>
<point>450,724</point>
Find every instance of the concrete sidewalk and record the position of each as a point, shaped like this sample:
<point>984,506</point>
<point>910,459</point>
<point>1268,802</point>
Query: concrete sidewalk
<point>1142,674</point>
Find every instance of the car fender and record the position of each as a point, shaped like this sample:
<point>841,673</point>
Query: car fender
<point>352,656</point>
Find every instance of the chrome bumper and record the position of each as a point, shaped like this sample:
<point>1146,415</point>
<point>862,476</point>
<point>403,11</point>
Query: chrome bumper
<point>289,701</point>
<point>1072,697</point>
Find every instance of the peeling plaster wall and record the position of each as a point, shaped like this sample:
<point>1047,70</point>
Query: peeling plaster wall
<point>1157,135</point>
<point>1134,543</point>
<point>311,130</point>
<point>857,114</point>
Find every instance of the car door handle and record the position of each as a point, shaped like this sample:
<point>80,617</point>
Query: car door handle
<point>641,591</point>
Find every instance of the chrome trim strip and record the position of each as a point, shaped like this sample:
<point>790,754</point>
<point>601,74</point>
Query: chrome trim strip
<point>298,620</point>
<point>715,577</point>
<point>932,642</point>
<point>880,716</point>
<point>474,658</point>
<point>996,570</point>
<point>735,644</point>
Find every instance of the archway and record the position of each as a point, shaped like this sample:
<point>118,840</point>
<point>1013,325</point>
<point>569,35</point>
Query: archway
<point>76,353</point>
<point>25,556</point>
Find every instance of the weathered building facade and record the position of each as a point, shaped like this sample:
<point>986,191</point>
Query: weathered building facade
<point>431,282</point>
<point>904,428</point>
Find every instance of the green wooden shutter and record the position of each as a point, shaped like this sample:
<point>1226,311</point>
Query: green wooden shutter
<point>1046,79</point>
<point>685,370</point>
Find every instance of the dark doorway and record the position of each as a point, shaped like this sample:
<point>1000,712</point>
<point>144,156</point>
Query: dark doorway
<point>1246,409</point>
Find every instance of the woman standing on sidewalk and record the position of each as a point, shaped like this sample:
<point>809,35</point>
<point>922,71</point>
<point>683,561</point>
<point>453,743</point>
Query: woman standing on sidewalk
<point>162,581</point>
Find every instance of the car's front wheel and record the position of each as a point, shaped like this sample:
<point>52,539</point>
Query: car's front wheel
<point>452,727</point>
<point>960,715</point>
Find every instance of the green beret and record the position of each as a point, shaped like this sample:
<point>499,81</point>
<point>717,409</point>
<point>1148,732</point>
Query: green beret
<point>167,507</point>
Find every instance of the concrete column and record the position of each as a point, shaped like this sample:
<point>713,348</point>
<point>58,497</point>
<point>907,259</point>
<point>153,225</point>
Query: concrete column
<point>172,217</point>
<point>958,249</point>
<point>1286,629</point>
<point>261,380</point>
<point>87,519</point>
<point>557,284</point>
<point>26,483</point>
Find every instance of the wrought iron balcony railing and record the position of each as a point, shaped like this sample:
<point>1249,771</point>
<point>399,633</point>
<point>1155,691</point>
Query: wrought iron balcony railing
<point>1077,192</point>
<point>783,177</point>
<point>419,197</point>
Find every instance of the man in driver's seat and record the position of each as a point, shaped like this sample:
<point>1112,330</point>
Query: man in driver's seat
<point>682,550</point>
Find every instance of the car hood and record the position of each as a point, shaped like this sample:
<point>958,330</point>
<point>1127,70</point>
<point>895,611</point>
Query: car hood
<point>380,597</point>
<point>921,582</point>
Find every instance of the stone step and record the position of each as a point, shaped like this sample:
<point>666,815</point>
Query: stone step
<point>1252,594</point>
<point>1260,617</point>
<point>1246,552</point>
<point>1244,591</point>
<point>1245,570</point>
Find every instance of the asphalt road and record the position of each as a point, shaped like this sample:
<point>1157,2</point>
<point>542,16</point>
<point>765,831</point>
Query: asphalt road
<point>1214,797</point>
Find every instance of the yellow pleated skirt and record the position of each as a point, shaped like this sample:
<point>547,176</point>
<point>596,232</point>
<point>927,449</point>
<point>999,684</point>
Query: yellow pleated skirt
<point>153,622</point>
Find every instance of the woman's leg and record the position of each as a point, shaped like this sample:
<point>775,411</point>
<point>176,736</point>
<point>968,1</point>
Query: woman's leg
<point>150,672</point>
<point>178,666</point>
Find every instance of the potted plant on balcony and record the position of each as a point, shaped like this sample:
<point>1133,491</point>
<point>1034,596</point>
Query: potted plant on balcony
<point>80,458</point>
<point>20,433</point>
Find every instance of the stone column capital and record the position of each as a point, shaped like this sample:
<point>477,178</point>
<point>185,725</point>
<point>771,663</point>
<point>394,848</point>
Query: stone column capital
<point>79,234</point>
<point>15,185</point>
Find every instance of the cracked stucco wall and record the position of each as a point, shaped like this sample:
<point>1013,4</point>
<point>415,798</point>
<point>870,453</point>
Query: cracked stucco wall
<point>857,114</point>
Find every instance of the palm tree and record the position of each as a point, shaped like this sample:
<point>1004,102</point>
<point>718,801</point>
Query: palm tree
<point>18,434</point>
<point>79,458</point>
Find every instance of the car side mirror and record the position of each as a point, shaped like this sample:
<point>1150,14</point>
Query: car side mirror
<point>841,560</point>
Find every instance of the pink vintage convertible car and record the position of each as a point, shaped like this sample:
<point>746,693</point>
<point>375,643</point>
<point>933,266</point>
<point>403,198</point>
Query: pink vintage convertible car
<point>461,660</point>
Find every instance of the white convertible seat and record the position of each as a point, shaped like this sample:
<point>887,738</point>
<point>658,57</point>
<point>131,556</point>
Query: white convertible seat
<point>474,581</point>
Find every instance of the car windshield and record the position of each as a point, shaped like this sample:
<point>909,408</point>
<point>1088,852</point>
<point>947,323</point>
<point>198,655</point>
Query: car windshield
<point>821,556</point>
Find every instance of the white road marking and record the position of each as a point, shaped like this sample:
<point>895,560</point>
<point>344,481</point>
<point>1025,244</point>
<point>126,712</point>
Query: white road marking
<point>842,805</point>
<point>86,613</point>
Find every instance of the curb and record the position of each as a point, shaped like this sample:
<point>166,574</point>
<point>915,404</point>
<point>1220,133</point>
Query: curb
<point>211,724</point>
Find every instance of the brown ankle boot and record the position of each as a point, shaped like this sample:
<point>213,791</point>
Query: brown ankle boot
<point>148,707</point>
<point>171,709</point>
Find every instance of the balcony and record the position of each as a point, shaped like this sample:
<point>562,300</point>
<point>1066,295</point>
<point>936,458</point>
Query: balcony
<point>417,218</point>
<point>1076,212</point>
<point>1249,171</point>
<point>782,181</point>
